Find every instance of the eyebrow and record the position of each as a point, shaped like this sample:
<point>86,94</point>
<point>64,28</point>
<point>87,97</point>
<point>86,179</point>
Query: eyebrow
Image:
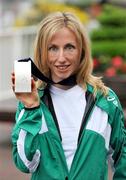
<point>69,43</point>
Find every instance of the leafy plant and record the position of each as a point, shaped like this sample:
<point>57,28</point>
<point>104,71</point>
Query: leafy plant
<point>109,48</point>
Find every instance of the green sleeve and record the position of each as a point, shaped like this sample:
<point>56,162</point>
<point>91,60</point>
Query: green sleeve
<point>25,138</point>
<point>118,144</point>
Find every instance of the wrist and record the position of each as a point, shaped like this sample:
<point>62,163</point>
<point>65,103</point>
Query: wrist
<point>32,108</point>
<point>32,105</point>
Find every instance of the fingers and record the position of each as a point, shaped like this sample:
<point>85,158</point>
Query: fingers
<point>13,81</point>
<point>13,78</point>
<point>35,78</point>
<point>33,84</point>
<point>13,73</point>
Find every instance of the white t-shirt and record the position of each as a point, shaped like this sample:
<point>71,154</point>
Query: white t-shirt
<point>69,107</point>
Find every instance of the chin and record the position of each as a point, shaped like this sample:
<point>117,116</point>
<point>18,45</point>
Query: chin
<point>64,77</point>
<point>61,76</point>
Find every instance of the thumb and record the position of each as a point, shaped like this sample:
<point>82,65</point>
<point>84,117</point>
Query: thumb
<point>33,84</point>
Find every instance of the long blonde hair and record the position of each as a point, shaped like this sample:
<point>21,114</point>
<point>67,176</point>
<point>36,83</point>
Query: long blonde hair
<point>48,27</point>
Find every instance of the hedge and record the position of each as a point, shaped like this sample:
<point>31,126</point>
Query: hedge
<point>109,8</point>
<point>109,48</point>
<point>107,33</point>
<point>113,15</point>
<point>114,19</point>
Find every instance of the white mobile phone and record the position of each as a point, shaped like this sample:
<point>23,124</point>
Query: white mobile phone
<point>22,76</point>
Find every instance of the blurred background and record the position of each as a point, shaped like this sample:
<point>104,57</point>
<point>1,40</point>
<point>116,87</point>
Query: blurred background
<point>105,21</point>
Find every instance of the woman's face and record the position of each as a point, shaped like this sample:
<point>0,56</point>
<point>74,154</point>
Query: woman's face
<point>63,54</point>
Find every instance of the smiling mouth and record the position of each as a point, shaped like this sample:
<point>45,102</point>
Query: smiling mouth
<point>62,67</point>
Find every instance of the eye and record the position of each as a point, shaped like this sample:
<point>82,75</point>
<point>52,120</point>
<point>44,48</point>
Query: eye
<point>53,48</point>
<point>70,47</point>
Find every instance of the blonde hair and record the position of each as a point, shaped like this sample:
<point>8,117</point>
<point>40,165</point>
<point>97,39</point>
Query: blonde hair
<point>48,27</point>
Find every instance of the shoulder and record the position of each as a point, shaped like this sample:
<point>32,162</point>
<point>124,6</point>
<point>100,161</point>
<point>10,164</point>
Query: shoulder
<point>110,103</point>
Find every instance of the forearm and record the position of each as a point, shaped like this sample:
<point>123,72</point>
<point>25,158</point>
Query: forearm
<point>25,137</point>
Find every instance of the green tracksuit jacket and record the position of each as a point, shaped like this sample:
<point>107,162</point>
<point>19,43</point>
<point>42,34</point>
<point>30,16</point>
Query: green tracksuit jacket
<point>37,147</point>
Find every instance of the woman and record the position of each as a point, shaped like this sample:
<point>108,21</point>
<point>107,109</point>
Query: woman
<point>66,130</point>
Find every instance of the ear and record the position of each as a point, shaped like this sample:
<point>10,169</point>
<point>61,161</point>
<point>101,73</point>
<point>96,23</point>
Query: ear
<point>82,55</point>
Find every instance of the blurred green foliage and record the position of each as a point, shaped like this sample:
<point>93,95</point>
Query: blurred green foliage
<point>110,38</point>
<point>113,16</point>
<point>109,41</point>
<point>109,48</point>
<point>109,33</point>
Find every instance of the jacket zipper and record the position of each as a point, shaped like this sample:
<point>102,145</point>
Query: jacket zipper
<point>89,106</point>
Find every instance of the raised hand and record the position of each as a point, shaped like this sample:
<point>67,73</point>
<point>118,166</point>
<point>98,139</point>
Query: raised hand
<point>29,100</point>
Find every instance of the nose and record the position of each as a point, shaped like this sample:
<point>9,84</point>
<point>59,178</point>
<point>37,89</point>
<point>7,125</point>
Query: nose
<point>61,56</point>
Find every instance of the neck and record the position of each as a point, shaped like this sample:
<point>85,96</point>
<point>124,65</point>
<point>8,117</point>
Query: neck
<point>62,86</point>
